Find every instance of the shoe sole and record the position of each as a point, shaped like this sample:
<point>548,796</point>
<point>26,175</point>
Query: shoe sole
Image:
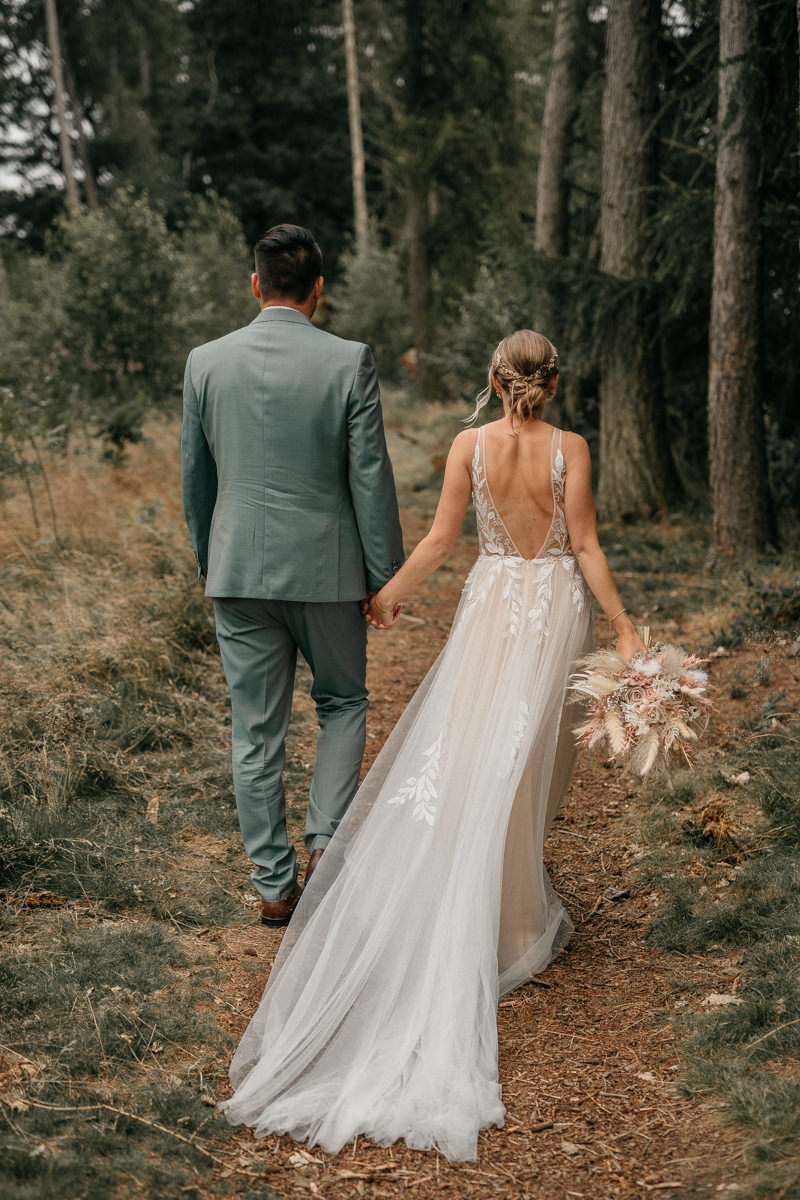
<point>276,922</point>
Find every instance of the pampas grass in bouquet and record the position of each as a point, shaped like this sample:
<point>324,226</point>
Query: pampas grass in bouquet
<point>644,709</point>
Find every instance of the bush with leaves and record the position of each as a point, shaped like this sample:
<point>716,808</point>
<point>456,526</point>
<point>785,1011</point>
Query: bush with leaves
<point>116,278</point>
<point>97,333</point>
<point>369,304</point>
<point>213,272</point>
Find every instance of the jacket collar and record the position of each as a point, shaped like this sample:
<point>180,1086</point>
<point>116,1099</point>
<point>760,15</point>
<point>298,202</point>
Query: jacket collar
<point>282,314</point>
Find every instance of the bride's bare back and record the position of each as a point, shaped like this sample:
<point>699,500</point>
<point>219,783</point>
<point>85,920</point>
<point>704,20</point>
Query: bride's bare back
<point>519,477</point>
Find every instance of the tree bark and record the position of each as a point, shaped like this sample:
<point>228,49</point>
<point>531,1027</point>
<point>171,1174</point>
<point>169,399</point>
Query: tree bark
<point>54,43</point>
<point>637,473</point>
<point>551,234</point>
<point>420,291</point>
<point>559,112</point>
<point>145,74</point>
<point>737,455</point>
<point>90,187</point>
<point>360,217</point>
<point>420,288</point>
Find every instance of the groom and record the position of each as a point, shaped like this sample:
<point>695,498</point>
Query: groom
<point>290,502</point>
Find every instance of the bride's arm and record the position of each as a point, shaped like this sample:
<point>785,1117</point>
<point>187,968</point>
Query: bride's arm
<point>434,548</point>
<point>581,518</point>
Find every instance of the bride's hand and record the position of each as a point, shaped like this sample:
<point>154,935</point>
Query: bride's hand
<point>629,643</point>
<point>381,617</point>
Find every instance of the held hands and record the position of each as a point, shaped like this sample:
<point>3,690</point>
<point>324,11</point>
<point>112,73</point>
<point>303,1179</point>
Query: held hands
<point>377,615</point>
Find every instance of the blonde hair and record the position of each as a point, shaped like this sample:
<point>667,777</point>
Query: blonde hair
<point>524,365</point>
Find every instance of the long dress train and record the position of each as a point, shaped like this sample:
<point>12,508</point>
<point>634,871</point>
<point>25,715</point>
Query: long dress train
<point>432,900</point>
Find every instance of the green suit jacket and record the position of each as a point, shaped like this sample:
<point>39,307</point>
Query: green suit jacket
<point>287,486</point>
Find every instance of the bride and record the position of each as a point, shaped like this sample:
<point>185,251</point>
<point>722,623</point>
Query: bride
<point>431,901</point>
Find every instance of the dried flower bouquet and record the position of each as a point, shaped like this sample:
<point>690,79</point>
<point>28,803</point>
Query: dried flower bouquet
<point>645,708</point>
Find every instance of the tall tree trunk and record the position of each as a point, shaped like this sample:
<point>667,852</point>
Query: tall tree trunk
<point>737,457</point>
<point>552,190</point>
<point>361,221</point>
<point>90,187</point>
<point>559,113</point>
<point>637,474</point>
<point>145,74</point>
<point>54,43</point>
<point>420,287</point>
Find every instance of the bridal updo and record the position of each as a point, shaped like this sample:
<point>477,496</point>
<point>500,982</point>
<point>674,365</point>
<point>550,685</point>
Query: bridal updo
<point>523,368</point>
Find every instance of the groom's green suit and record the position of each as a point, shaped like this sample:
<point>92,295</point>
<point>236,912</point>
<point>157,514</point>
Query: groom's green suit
<point>290,502</point>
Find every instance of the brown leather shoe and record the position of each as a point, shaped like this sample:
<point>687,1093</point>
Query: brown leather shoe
<point>316,855</point>
<point>279,912</point>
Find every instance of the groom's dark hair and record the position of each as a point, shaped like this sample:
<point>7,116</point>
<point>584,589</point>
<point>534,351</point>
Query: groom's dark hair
<point>288,263</point>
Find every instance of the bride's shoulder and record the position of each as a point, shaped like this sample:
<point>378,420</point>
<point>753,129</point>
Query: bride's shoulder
<point>574,446</point>
<point>462,447</point>
<point>577,457</point>
<point>464,442</point>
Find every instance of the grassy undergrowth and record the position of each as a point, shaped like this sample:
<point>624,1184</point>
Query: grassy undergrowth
<point>119,840</point>
<point>116,846</point>
<point>723,843</point>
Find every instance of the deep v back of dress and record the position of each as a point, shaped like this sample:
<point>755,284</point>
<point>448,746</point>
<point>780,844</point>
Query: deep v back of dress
<point>431,900</point>
<point>493,533</point>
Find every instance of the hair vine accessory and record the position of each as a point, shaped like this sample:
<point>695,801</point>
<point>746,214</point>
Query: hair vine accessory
<point>539,375</point>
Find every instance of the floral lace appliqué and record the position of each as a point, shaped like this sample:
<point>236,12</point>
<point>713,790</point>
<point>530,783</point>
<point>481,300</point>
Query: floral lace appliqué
<point>557,539</point>
<point>481,580</point>
<point>539,614</point>
<point>577,584</point>
<point>493,536</point>
<point>423,788</point>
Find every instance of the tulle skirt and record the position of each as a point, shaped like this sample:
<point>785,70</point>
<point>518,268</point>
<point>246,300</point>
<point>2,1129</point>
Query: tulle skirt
<point>431,900</point>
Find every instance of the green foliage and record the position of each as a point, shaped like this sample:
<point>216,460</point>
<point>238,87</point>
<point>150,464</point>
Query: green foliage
<point>260,113</point>
<point>213,275</point>
<point>102,1010</point>
<point>116,816</point>
<point>369,304</point>
<point>116,282</point>
<point>766,607</point>
<point>729,889</point>
<point>125,299</point>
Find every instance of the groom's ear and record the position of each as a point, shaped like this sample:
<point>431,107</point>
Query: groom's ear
<point>255,285</point>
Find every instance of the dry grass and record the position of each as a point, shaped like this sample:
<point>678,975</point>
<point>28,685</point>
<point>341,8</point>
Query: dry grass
<point>114,790</point>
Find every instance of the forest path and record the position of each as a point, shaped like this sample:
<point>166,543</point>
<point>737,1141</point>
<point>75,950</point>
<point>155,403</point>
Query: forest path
<point>588,1055</point>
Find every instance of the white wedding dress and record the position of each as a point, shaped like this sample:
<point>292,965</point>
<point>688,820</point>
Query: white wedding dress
<point>432,900</point>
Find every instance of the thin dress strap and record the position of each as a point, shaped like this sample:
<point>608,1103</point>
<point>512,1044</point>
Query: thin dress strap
<point>493,537</point>
<point>555,446</point>
<point>558,539</point>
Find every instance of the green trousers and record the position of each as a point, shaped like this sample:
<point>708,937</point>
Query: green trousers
<point>258,641</point>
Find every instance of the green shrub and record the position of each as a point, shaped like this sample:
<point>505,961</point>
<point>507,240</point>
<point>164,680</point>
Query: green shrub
<point>745,900</point>
<point>213,272</point>
<point>368,305</point>
<point>116,282</point>
<point>766,607</point>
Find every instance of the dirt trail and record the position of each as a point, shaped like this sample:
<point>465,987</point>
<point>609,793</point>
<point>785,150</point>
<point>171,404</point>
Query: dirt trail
<point>588,1059</point>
